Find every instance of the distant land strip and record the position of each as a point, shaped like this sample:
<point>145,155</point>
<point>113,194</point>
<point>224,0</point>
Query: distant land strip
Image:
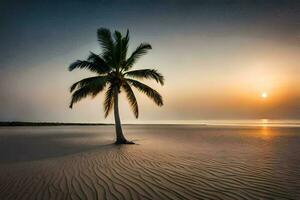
<point>50,124</point>
<point>18,123</point>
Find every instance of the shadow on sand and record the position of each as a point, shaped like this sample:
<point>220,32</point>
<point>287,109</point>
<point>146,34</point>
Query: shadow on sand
<point>28,146</point>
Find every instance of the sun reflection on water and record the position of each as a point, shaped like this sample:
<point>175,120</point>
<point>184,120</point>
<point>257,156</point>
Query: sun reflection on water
<point>266,133</point>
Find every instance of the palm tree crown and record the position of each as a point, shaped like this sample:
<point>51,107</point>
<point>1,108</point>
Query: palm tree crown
<point>114,72</point>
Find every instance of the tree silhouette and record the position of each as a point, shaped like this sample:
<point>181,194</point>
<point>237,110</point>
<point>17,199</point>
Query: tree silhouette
<point>114,74</point>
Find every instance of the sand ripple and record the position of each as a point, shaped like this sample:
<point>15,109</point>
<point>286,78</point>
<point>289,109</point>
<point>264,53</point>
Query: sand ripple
<point>133,173</point>
<point>170,162</point>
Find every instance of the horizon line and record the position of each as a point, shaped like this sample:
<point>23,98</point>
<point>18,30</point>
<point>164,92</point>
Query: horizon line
<point>229,123</point>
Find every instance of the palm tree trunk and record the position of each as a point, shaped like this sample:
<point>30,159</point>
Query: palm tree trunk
<point>120,139</point>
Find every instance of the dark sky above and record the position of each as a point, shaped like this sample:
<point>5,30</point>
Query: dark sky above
<point>39,39</point>
<point>47,28</point>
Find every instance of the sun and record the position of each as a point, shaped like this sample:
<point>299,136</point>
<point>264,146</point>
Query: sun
<point>264,95</point>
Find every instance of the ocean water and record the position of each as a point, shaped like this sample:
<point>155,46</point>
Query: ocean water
<point>239,123</point>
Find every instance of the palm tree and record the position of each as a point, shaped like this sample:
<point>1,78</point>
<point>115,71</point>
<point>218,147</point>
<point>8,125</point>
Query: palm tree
<point>114,73</point>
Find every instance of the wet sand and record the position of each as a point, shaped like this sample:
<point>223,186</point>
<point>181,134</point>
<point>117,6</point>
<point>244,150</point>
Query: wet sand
<point>168,162</point>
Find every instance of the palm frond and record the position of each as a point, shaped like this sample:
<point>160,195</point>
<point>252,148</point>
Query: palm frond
<point>95,80</point>
<point>87,87</point>
<point>146,74</point>
<point>125,42</point>
<point>83,64</point>
<point>109,100</point>
<point>118,49</point>
<point>151,93</point>
<point>121,48</point>
<point>131,98</point>
<point>102,66</point>
<point>141,50</point>
<point>107,44</point>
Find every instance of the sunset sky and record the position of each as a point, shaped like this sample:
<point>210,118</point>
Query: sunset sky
<point>221,60</point>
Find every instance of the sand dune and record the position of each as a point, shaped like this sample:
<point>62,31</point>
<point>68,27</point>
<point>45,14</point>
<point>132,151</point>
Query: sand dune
<point>169,162</point>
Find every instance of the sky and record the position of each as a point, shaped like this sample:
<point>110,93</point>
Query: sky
<point>218,58</point>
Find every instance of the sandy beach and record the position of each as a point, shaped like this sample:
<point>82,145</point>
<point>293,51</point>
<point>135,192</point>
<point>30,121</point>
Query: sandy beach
<point>168,162</point>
